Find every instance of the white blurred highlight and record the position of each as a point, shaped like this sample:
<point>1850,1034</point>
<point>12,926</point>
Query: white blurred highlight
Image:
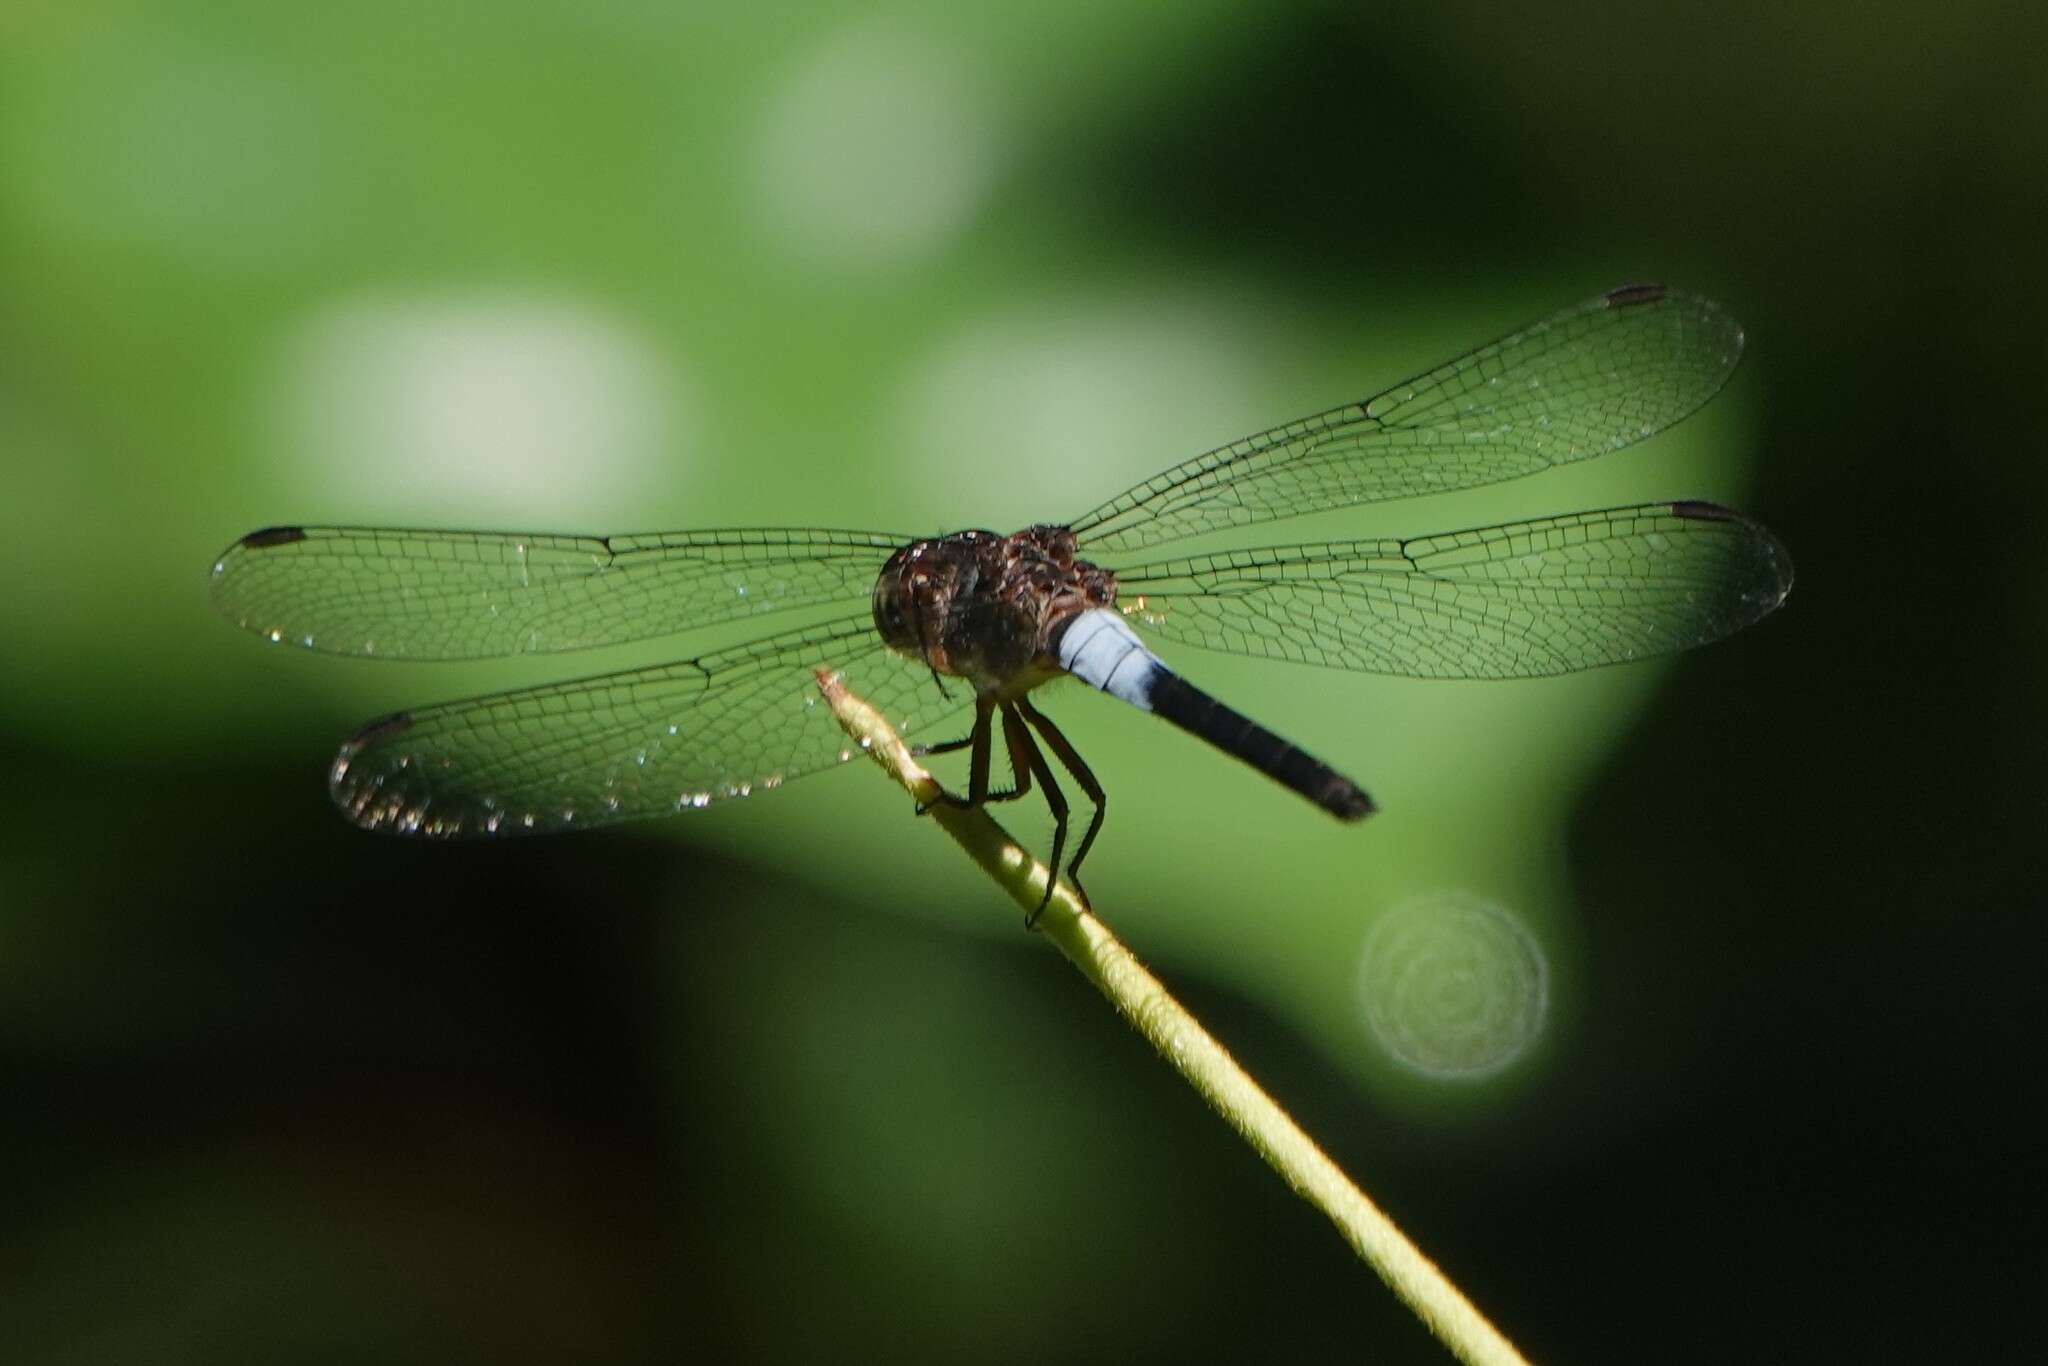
<point>509,409</point>
<point>1453,985</point>
<point>874,150</point>
<point>1040,414</point>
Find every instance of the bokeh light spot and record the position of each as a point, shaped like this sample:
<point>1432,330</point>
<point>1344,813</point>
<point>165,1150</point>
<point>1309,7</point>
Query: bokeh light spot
<point>540,411</point>
<point>875,149</point>
<point>1453,985</point>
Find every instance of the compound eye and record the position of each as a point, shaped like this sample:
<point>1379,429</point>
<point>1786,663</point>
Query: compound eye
<point>888,613</point>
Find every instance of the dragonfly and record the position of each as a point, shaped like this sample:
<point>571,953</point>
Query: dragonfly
<point>897,616</point>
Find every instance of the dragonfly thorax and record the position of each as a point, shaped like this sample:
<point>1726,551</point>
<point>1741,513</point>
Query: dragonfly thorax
<point>985,607</point>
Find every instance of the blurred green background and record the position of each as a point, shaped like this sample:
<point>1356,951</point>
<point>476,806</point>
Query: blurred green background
<point>1683,1012</point>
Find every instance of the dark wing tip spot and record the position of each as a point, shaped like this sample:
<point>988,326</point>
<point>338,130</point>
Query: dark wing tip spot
<point>1699,510</point>
<point>383,728</point>
<point>1768,562</point>
<point>272,536</point>
<point>1628,295</point>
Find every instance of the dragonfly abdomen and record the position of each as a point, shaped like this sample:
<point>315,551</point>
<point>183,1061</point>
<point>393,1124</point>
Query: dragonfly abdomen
<point>1099,647</point>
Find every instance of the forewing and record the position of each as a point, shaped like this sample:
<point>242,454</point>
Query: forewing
<point>1592,379</point>
<point>1523,600</point>
<point>627,745</point>
<point>473,595</point>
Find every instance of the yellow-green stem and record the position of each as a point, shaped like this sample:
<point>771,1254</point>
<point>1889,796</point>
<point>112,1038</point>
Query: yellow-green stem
<point>1142,1000</point>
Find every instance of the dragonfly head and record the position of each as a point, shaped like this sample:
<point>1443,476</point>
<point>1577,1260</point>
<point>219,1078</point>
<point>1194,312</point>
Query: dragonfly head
<point>922,587</point>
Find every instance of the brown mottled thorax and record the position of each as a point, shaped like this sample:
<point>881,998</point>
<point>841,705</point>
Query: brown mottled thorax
<point>984,607</point>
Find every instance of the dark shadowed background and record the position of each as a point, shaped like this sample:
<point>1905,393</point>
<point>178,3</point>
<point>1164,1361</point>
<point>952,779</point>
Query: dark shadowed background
<point>1720,997</point>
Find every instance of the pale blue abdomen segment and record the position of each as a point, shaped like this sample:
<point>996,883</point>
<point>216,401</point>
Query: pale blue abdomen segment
<point>1099,647</point>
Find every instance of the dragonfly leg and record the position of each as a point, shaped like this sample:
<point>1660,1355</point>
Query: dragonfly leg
<point>1018,741</point>
<point>1019,737</point>
<point>977,742</point>
<point>1020,769</point>
<point>1084,775</point>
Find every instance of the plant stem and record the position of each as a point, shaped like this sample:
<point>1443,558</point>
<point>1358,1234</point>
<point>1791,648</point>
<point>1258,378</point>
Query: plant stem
<point>1142,1000</point>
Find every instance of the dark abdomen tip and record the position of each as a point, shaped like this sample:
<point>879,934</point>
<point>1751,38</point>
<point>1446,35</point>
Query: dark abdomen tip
<point>1346,801</point>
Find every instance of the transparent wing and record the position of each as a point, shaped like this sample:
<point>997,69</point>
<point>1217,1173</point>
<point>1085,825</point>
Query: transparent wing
<point>1523,600</point>
<point>622,746</point>
<point>1589,380</point>
<point>471,595</point>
